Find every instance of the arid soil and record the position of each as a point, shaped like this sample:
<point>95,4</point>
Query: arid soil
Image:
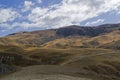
<point>45,72</point>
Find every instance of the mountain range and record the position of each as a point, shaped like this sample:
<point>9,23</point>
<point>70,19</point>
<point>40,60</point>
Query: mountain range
<point>95,50</point>
<point>106,36</point>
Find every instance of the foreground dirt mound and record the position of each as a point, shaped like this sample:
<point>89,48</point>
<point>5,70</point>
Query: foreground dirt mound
<point>44,73</point>
<point>46,77</point>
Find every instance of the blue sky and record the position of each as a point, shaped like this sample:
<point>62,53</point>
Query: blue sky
<point>29,15</point>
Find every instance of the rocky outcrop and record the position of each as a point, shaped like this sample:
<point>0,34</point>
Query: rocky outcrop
<point>87,31</point>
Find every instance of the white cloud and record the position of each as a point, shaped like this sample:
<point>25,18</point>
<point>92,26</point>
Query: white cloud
<point>3,30</point>
<point>66,13</point>
<point>39,1</point>
<point>118,12</point>
<point>36,14</point>
<point>94,22</point>
<point>71,12</point>
<point>27,5</point>
<point>7,15</point>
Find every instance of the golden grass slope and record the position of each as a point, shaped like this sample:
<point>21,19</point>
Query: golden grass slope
<point>85,42</point>
<point>36,37</point>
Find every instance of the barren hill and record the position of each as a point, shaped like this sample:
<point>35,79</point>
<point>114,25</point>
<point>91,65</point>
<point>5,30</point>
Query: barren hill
<point>89,51</point>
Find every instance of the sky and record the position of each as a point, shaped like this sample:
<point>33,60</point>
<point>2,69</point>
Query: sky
<point>29,15</point>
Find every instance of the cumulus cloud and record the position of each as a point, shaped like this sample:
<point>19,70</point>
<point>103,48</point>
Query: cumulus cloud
<point>8,15</point>
<point>27,5</point>
<point>36,14</point>
<point>72,12</point>
<point>94,22</point>
<point>3,30</point>
<point>68,12</point>
<point>118,12</point>
<point>39,1</point>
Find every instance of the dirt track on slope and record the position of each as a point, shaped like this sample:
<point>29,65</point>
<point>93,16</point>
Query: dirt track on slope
<point>81,57</point>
